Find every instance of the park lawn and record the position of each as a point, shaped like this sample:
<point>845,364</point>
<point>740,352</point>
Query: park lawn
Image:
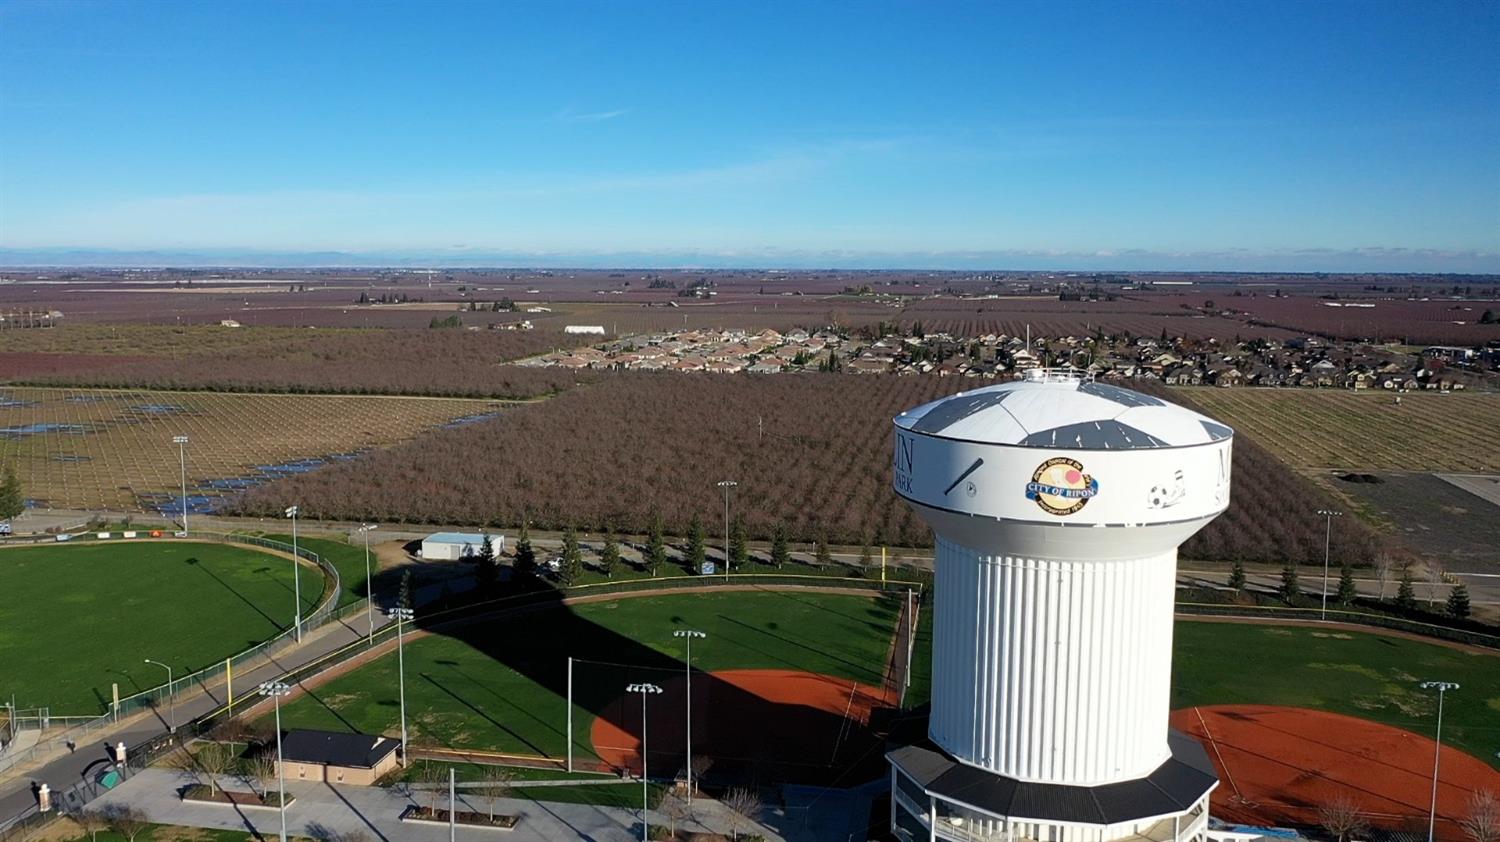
<point>76,618</point>
<point>348,559</point>
<point>1366,675</point>
<point>501,685</point>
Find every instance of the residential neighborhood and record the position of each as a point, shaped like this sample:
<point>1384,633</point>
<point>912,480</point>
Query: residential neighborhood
<point>1310,362</point>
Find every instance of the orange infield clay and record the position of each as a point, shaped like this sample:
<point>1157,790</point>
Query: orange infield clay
<point>1277,765</point>
<point>785,719</point>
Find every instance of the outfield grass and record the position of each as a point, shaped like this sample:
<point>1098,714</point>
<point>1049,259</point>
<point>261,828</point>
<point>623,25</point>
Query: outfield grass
<point>346,558</point>
<point>500,685</point>
<point>76,618</point>
<point>1366,675</point>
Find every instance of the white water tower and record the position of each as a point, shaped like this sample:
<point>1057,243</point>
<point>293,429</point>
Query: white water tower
<point>1058,505</point>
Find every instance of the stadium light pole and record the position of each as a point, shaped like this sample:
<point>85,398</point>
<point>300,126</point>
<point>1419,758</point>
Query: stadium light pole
<point>367,528</point>
<point>275,690</point>
<point>401,615</point>
<point>726,485</point>
<point>171,700</point>
<point>645,690</point>
<point>689,635</point>
<point>1328,516</point>
<point>181,442</point>
<point>1441,687</point>
<point>291,512</point>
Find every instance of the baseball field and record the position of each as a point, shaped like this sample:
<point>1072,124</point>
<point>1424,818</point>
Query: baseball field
<point>75,619</point>
<point>501,686</point>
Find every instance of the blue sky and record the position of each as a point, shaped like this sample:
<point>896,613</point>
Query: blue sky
<point>1240,135</point>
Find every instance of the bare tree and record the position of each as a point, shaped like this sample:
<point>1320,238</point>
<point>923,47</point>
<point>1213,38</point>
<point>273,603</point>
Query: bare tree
<point>126,821</point>
<point>91,822</point>
<point>1435,578</point>
<point>1341,817</point>
<point>430,775</point>
<point>1384,564</point>
<point>496,784</point>
<point>744,808</point>
<point>701,764</point>
<point>675,807</point>
<point>261,769</point>
<point>215,759</point>
<point>1483,821</point>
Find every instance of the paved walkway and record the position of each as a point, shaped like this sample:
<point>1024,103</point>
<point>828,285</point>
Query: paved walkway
<point>325,811</point>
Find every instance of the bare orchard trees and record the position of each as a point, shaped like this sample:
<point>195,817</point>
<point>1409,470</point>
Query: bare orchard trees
<point>811,455</point>
<point>452,363</point>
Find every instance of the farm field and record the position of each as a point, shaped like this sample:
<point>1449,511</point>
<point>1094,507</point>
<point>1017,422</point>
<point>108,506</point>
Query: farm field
<point>1365,675</point>
<point>445,362</point>
<point>1338,429</point>
<point>76,618</point>
<point>1434,516</point>
<point>1442,321</point>
<point>811,454</point>
<point>112,450</point>
<point>1049,317</point>
<point>501,685</point>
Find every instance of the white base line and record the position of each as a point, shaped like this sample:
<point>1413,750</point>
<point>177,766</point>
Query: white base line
<point>1218,754</point>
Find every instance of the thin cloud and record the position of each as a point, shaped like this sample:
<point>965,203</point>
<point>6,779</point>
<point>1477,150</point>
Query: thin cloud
<point>568,115</point>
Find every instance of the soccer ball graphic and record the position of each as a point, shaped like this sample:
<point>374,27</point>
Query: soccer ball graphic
<point>1167,494</point>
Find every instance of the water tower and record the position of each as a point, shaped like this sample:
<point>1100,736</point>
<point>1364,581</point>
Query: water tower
<point>1058,505</point>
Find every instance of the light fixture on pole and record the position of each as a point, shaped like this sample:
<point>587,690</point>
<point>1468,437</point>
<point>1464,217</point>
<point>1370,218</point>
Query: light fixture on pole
<point>645,690</point>
<point>689,635</point>
<point>275,690</point>
<point>367,528</point>
<point>291,512</point>
<point>171,700</point>
<point>401,615</point>
<point>181,442</point>
<point>726,485</point>
<point>1328,515</point>
<point>1441,687</point>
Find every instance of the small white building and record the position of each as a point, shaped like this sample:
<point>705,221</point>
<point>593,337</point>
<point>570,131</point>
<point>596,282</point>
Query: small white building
<point>452,546</point>
<point>587,329</point>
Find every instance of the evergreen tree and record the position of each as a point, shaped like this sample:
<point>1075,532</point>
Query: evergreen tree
<point>406,594</point>
<point>525,553</point>
<point>486,570</point>
<point>1237,576</point>
<point>572,559</point>
<point>696,554</point>
<point>865,559</point>
<point>739,546</point>
<point>821,551</point>
<point>1346,592</point>
<point>1458,602</point>
<point>1406,594</point>
<point>656,547</point>
<point>11,501</point>
<point>780,553</point>
<point>1289,589</point>
<point>609,557</point>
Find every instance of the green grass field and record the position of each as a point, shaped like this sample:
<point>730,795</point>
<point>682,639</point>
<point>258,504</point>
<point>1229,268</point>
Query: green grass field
<point>346,558</point>
<point>76,618</point>
<point>500,686</point>
<point>1366,675</point>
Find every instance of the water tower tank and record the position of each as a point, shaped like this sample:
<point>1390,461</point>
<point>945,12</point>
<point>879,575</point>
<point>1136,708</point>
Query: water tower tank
<point>1058,505</point>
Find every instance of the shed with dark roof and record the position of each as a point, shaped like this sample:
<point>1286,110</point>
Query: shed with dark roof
<point>337,758</point>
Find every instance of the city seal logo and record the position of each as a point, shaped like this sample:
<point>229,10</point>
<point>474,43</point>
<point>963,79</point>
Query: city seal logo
<point>1061,487</point>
